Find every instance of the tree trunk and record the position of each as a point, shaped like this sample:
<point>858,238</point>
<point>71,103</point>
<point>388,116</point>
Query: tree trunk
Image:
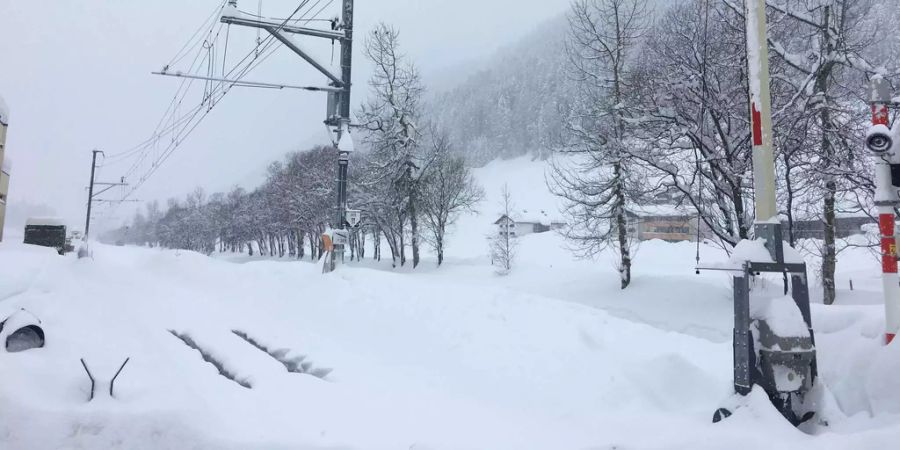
<point>622,227</point>
<point>376,243</point>
<point>789,206</point>
<point>829,254</point>
<point>402,248</point>
<point>414,228</point>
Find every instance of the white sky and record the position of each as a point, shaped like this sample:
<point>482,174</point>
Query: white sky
<point>76,76</point>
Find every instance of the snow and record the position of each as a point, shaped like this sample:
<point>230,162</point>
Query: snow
<point>753,250</point>
<point>45,221</point>
<point>552,356</point>
<point>781,314</point>
<point>537,216</point>
<point>346,142</point>
<point>232,11</point>
<point>4,112</point>
<point>791,255</point>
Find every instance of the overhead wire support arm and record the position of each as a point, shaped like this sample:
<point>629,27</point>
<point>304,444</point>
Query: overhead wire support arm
<point>291,44</point>
<point>108,187</point>
<point>267,25</point>
<point>254,84</point>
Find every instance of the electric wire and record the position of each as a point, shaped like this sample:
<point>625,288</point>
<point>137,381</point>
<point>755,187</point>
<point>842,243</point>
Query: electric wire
<point>191,120</point>
<point>193,113</point>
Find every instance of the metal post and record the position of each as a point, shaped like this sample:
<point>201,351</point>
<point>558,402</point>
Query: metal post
<point>885,200</point>
<point>339,92</point>
<point>767,222</point>
<point>87,219</point>
<point>344,124</point>
<point>742,341</point>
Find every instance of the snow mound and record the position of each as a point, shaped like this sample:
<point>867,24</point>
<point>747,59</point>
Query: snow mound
<point>753,250</point>
<point>781,314</point>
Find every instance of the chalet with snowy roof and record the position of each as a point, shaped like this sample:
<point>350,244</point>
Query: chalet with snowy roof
<point>528,222</point>
<point>672,223</point>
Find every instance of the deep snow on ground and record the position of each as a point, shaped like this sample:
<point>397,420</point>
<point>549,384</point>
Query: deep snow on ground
<point>552,356</point>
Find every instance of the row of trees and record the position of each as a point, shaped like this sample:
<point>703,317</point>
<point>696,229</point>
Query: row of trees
<point>409,183</point>
<point>663,106</point>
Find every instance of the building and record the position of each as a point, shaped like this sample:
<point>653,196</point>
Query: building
<point>4,165</point>
<point>662,221</point>
<point>528,222</point>
<point>845,224</point>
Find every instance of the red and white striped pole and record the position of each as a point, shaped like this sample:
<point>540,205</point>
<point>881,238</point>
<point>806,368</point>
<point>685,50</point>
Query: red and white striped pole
<point>885,200</point>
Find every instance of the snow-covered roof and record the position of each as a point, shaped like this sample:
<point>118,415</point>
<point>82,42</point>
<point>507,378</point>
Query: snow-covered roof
<point>661,211</point>
<point>4,112</point>
<point>45,222</point>
<point>540,216</point>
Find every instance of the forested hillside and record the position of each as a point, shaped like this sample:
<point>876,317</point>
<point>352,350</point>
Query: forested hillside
<point>514,105</point>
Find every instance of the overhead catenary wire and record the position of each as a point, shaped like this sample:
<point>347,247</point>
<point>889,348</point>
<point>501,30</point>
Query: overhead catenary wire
<point>182,126</point>
<point>193,112</point>
<point>184,86</point>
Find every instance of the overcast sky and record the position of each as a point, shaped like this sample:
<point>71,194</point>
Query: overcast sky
<point>76,76</point>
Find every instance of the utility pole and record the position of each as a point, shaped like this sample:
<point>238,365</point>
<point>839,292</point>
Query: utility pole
<point>87,218</point>
<point>768,225</point>
<point>345,142</point>
<point>92,196</point>
<point>338,105</point>
<point>762,357</point>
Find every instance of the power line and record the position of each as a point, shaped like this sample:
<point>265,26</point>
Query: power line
<point>213,96</point>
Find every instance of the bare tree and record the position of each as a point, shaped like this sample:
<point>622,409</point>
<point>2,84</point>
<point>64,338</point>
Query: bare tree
<point>595,180</point>
<point>391,119</point>
<point>449,189</point>
<point>503,242</point>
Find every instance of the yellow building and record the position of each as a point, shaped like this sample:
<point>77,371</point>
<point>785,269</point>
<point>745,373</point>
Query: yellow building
<point>4,164</point>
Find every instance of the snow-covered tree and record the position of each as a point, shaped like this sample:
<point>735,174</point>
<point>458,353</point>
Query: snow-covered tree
<point>391,120</point>
<point>449,189</point>
<point>595,177</point>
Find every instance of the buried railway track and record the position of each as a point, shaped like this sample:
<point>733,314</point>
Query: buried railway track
<point>208,357</point>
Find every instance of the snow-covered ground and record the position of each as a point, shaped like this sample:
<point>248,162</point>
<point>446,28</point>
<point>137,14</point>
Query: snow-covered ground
<point>553,356</point>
